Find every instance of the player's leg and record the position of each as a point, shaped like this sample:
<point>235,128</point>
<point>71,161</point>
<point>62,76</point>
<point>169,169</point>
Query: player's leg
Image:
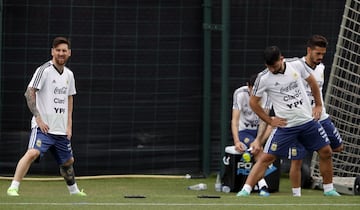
<point>333,135</point>
<point>38,144</point>
<point>296,154</point>
<point>247,137</point>
<point>326,170</point>
<point>262,184</point>
<point>295,177</point>
<point>67,171</point>
<point>257,172</point>
<point>25,163</point>
<point>314,138</point>
<point>63,155</point>
<point>277,145</point>
<point>21,170</point>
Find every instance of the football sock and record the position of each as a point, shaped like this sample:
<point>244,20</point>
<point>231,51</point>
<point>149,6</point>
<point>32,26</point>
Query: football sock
<point>15,184</point>
<point>247,188</point>
<point>328,187</point>
<point>73,188</point>
<point>262,183</point>
<point>296,191</point>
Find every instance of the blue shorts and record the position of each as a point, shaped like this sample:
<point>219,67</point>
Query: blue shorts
<point>311,136</point>
<point>247,136</point>
<point>58,145</point>
<point>332,132</point>
<point>298,152</point>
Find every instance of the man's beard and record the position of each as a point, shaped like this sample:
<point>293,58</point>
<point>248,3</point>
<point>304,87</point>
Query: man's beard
<point>278,71</point>
<point>60,61</point>
<point>317,62</point>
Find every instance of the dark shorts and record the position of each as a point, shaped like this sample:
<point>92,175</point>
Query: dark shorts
<point>247,136</point>
<point>310,136</point>
<point>298,152</point>
<point>332,132</point>
<point>58,145</point>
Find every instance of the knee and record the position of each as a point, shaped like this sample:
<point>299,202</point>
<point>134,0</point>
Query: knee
<point>338,149</point>
<point>69,162</point>
<point>32,154</point>
<point>266,159</point>
<point>325,152</point>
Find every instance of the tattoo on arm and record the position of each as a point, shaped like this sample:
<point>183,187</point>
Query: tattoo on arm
<point>31,101</point>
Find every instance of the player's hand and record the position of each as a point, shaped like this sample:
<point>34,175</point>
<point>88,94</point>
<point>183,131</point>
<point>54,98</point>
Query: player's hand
<point>278,122</point>
<point>316,112</point>
<point>69,134</point>
<point>255,147</point>
<point>240,147</point>
<point>40,123</point>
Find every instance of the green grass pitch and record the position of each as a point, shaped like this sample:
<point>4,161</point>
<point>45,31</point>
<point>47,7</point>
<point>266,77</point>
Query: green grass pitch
<point>162,193</point>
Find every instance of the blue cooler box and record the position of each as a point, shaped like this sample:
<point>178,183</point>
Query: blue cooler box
<point>237,170</point>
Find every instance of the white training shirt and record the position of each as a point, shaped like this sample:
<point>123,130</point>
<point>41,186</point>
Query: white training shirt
<point>318,73</point>
<point>52,96</point>
<point>287,93</point>
<point>248,119</point>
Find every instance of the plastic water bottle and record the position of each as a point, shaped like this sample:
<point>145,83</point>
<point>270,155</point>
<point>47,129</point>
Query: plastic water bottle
<point>225,189</point>
<point>200,186</point>
<point>218,183</point>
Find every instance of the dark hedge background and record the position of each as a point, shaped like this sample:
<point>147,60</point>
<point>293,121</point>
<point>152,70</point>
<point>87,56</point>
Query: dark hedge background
<point>138,66</point>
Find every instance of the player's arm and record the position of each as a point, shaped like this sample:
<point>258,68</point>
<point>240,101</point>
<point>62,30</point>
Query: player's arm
<point>30,96</point>
<point>263,133</point>
<point>256,145</point>
<point>272,121</point>
<point>256,107</point>
<point>70,111</point>
<point>239,146</point>
<point>263,130</point>
<point>315,90</point>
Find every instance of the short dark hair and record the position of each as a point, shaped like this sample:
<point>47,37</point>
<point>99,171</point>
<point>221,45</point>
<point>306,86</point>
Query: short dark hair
<point>271,55</point>
<point>317,41</point>
<point>61,40</point>
<point>251,80</point>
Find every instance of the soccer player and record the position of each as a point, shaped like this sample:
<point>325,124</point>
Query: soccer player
<point>312,62</point>
<point>49,97</point>
<point>244,124</point>
<point>295,120</point>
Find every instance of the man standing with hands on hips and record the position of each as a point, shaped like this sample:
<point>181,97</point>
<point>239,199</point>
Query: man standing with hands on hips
<point>295,120</point>
<point>312,62</point>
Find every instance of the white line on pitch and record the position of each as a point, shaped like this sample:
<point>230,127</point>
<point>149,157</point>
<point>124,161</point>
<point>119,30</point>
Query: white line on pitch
<point>180,204</point>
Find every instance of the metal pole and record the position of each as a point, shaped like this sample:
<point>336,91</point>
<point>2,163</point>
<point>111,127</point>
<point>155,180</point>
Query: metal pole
<point>224,122</point>
<point>1,20</point>
<point>207,88</point>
